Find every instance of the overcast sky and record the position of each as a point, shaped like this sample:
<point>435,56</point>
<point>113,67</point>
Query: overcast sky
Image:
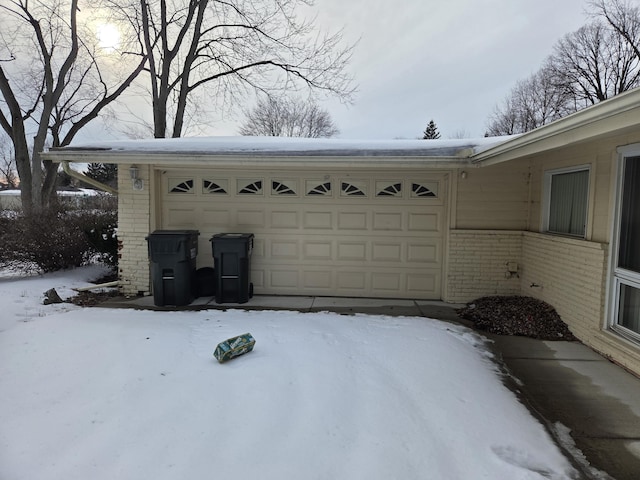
<point>451,61</point>
<point>447,60</point>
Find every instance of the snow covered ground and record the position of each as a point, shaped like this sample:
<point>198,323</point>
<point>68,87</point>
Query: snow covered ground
<point>95,393</point>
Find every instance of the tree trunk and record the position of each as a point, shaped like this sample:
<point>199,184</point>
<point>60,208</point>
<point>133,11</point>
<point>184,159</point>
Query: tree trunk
<point>49,184</point>
<point>23,166</point>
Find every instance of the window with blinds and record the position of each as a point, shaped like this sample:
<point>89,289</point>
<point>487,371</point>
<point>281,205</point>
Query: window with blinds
<point>567,202</point>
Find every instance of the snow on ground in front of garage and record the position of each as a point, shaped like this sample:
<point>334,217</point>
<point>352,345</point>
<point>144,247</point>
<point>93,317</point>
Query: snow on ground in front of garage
<point>111,393</point>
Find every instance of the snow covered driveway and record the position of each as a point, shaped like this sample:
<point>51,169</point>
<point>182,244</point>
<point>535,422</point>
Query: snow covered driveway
<point>122,394</point>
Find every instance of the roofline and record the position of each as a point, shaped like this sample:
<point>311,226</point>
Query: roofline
<point>247,159</point>
<point>596,120</point>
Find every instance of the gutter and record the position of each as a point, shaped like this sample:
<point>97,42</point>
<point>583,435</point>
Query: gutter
<point>83,178</point>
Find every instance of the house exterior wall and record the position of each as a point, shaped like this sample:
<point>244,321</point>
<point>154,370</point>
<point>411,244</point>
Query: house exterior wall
<point>601,155</point>
<point>599,160</point>
<point>134,224</point>
<point>493,198</point>
<point>568,273</point>
<point>478,264</point>
<point>571,276</point>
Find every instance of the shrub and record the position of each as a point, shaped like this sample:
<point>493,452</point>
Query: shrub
<point>100,228</point>
<point>55,239</point>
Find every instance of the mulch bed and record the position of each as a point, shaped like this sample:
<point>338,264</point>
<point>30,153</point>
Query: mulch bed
<point>515,315</point>
<point>92,298</point>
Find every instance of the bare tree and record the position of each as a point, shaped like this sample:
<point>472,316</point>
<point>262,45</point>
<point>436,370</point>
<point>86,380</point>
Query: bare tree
<point>531,103</point>
<point>288,117</point>
<point>7,166</point>
<point>460,134</point>
<point>594,63</point>
<point>51,82</point>
<point>623,16</point>
<point>205,52</point>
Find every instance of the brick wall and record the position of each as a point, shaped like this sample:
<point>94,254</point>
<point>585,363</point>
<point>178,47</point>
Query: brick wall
<point>133,227</point>
<point>568,274</point>
<point>478,264</point>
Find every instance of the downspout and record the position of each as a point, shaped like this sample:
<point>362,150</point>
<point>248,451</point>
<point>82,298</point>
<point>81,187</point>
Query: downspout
<point>83,178</point>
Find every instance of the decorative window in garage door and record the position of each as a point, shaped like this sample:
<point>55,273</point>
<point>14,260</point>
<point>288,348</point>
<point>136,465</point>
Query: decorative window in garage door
<point>315,187</point>
<point>219,187</point>
<point>283,187</point>
<point>424,189</point>
<point>388,189</point>
<point>249,187</point>
<point>180,185</point>
<point>353,188</point>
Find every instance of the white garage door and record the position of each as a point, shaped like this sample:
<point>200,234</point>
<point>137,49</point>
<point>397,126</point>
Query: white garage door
<point>346,234</point>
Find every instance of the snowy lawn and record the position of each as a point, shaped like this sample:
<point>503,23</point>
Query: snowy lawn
<point>94,393</point>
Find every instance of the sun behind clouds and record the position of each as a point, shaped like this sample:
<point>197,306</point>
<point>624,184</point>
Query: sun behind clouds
<point>108,37</point>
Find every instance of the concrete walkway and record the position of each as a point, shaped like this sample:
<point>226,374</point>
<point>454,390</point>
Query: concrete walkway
<point>590,405</point>
<point>573,389</point>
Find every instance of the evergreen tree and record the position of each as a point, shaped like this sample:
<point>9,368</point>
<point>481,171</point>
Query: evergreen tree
<point>95,171</point>
<point>106,173</point>
<point>431,132</point>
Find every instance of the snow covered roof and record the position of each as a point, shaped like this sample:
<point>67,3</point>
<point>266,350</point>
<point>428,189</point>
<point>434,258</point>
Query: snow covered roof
<point>289,147</point>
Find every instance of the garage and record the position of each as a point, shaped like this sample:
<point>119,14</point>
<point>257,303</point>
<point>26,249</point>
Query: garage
<point>348,233</point>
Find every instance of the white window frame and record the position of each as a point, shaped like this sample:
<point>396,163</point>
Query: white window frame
<point>546,200</point>
<point>620,276</point>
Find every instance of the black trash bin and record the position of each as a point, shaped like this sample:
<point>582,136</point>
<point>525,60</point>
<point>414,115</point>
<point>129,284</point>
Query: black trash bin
<point>232,262</point>
<point>173,266</point>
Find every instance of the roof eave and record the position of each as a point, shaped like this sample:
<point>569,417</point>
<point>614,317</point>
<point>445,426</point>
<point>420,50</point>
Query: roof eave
<point>182,159</point>
<point>606,118</point>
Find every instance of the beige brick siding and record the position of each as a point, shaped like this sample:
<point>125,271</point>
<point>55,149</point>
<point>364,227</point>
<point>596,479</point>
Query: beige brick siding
<point>617,349</point>
<point>133,227</point>
<point>571,276</point>
<point>478,264</point>
<point>568,274</point>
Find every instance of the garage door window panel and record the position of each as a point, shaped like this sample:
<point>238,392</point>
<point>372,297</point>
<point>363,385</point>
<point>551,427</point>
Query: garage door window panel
<point>389,189</point>
<point>318,188</point>
<point>250,187</point>
<point>216,187</point>
<point>353,189</point>
<point>181,185</point>
<point>424,189</point>
<point>287,188</point>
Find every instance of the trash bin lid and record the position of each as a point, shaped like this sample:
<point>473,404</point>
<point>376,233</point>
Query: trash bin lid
<point>175,232</point>
<point>231,236</point>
